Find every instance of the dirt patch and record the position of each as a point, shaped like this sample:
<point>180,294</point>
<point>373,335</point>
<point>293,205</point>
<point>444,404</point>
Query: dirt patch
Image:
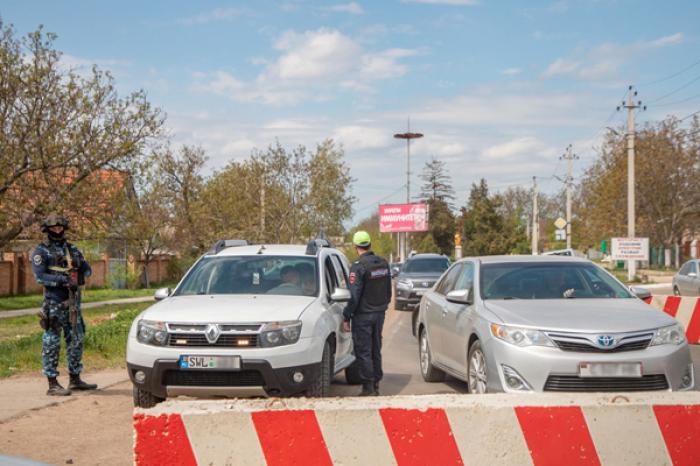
<point>90,430</point>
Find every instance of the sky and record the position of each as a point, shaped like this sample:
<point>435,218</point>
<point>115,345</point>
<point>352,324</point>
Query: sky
<point>498,88</point>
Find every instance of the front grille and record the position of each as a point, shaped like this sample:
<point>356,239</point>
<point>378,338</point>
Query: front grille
<point>208,378</point>
<point>588,348</point>
<point>573,383</point>
<point>225,340</point>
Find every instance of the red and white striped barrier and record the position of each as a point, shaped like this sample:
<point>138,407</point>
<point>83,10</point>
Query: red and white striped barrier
<point>441,430</point>
<point>686,310</point>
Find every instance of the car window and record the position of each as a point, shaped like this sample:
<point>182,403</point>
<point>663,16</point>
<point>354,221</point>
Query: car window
<point>330,276</point>
<point>277,275</point>
<point>465,280</point>
<point>340,273</point>
<point>541,280</point>
<point>685,269</point>
<point>694,268</point>
<point>433,265</point>
<point>449,279</point>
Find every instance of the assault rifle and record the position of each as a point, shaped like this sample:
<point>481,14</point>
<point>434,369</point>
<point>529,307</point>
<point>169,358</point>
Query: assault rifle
<point>75,280</point>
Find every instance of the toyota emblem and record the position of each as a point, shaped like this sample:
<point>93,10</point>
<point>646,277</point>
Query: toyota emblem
<point>606,340</point>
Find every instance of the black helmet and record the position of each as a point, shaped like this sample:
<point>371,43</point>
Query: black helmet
<point>54,220</point>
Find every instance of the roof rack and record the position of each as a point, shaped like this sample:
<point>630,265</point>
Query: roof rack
<point>314,246</point>
<point>228,243</point>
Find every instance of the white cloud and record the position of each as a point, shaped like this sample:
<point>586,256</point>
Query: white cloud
<point>353,8</point>
<point>311,65</point>
<point>605,61</point>
<point>528,146</point>
<point>363,137</point>
<point>444,2</point>
<point>511,71</point>
<point>215,15</point>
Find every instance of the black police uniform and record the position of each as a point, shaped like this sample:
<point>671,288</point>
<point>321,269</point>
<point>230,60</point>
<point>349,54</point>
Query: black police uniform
<point>370,286</point>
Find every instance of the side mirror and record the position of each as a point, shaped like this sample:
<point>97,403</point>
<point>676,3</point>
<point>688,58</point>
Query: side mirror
<point>341,295</point>
<point>460,296</point>
<point>639,292</point>
<point>162,293</point>
<point>394,272</point>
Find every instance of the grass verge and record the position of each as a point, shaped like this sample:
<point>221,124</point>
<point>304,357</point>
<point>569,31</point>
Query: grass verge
<point>9,303</point>
<point>105,340</point>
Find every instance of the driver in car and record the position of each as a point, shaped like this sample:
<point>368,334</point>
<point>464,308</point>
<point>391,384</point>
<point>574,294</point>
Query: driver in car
<point>291,282</point>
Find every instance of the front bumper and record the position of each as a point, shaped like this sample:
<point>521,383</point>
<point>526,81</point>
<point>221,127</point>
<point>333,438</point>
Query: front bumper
<point>536,364</point>
<point>165,379</point>
<point>410,297</point>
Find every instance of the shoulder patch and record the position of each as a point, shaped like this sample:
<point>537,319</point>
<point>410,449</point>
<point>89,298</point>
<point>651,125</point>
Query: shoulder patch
<point>353,278</point>
<point>37,259</point>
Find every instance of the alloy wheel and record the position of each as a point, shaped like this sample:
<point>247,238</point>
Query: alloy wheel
<point>424,353</point>
<point>477,372</point>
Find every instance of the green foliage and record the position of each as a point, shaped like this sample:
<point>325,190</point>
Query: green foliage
<point>427,244</point>
<point>8,303</point>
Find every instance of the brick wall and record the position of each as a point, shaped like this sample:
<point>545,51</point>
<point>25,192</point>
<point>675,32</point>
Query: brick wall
<point>6,277</point>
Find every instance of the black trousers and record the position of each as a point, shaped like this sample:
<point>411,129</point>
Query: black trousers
<point>367,340</point>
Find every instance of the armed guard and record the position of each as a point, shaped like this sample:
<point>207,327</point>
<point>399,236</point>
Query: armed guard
<point>61,268</point>
<point>370,286</point>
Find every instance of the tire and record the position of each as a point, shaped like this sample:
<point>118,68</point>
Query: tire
<point>676,291</point>
<point>414,323</point>
<point>321,387</point>
<point>144,399</point>
<point>477,372</point>
<point>352,374</point>
<point>429,372</point>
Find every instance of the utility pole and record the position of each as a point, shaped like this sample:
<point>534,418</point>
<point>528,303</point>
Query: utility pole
<point>408,135</point>
<point>535,218</point>
<point>262,208</point>
<point>631,106</point>
<point>569,156</point>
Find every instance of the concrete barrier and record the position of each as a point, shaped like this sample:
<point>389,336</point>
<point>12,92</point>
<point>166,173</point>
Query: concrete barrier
<point>686,310</point>
<point>511,430</point>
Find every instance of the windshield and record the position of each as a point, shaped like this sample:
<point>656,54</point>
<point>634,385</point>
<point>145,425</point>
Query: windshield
<point>274,275</point>
<point>437,265</point>
<point>559,280</point>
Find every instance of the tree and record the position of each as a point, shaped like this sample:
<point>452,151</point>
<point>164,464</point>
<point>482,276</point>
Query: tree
<point>438,193</point>
<point>484,229</point>
<point>437,184</point>
<point>59,131</point>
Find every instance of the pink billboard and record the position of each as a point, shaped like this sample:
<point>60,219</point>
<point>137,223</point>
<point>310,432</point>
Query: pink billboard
<point>403,217</point>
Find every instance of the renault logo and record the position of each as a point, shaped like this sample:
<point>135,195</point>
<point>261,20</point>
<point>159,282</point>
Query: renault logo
<point>212,333</point>
<point>606,340</point>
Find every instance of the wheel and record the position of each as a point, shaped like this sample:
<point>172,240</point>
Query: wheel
<point>676,291</point>
<point>477,375</point>
<point>144,399</point>
<point>429,372</point>
<point>352,374</point>
<point>414,323</point>
<point>321,387</point>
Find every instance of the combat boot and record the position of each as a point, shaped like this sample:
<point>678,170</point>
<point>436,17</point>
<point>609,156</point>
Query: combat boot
<point>367,389</point>
<point>55,388</point>
<point>376,388</point>
<point>76,383</point>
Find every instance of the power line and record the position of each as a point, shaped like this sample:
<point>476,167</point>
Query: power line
<point>672,75</point>
<point>374,203</point>
<point>688,116</point>
<point>679,101</point>
<point>697,78</point>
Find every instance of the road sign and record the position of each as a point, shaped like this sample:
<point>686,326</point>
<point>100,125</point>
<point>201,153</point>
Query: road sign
<point>630,249</point>
<point>560,234</point>
<point>560,223</point>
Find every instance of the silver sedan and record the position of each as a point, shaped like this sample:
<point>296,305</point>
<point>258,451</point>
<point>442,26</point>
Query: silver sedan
<point>547,323</point>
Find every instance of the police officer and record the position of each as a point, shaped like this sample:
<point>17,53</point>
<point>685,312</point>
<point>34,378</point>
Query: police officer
<point>370,286</point>
<point>61,269</point>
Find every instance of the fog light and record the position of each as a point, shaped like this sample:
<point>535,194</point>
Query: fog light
<point>514,381</point>
<point>687,379</point>
<point>140,376</point>
<point>298,377</point>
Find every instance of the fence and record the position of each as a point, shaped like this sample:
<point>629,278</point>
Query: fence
<point>16,277</point>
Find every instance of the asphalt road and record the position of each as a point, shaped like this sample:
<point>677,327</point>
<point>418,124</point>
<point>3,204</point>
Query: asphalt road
<point>401,371</point>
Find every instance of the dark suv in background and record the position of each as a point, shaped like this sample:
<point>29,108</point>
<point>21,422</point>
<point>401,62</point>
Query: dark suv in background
<point>417,275</point>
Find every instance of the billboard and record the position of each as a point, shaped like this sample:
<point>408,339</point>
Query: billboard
<point>630,249</point>
<point>403,217</point>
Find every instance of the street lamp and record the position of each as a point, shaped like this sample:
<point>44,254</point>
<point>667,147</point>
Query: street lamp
<point>408,135</point>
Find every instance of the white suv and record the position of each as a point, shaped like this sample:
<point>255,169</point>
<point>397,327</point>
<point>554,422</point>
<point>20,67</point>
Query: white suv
<point>246,320</point>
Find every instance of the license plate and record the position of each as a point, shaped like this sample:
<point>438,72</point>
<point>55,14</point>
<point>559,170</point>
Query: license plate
<point>610,369</point>
<point>210,362</point>
<point>420,293</point>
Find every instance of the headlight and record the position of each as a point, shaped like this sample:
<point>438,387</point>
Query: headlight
<point>520,336</point>
<point>404,284</point>
<point>152,332</point>
<point>280,333</point>
<point>671,335</point>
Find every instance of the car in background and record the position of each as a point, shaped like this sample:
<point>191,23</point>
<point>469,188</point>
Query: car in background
<point>569,252</point>
<point>417,275</point>
<point>687,281</point>
<point>245,320</point>
<point>547,323</point>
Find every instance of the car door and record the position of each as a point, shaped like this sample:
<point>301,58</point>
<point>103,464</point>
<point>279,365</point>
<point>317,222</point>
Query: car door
<point>339,279</point>
<point>693,280</point>
<point>435,309</point>
<point>683,280</point>
<point>457,321</point>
